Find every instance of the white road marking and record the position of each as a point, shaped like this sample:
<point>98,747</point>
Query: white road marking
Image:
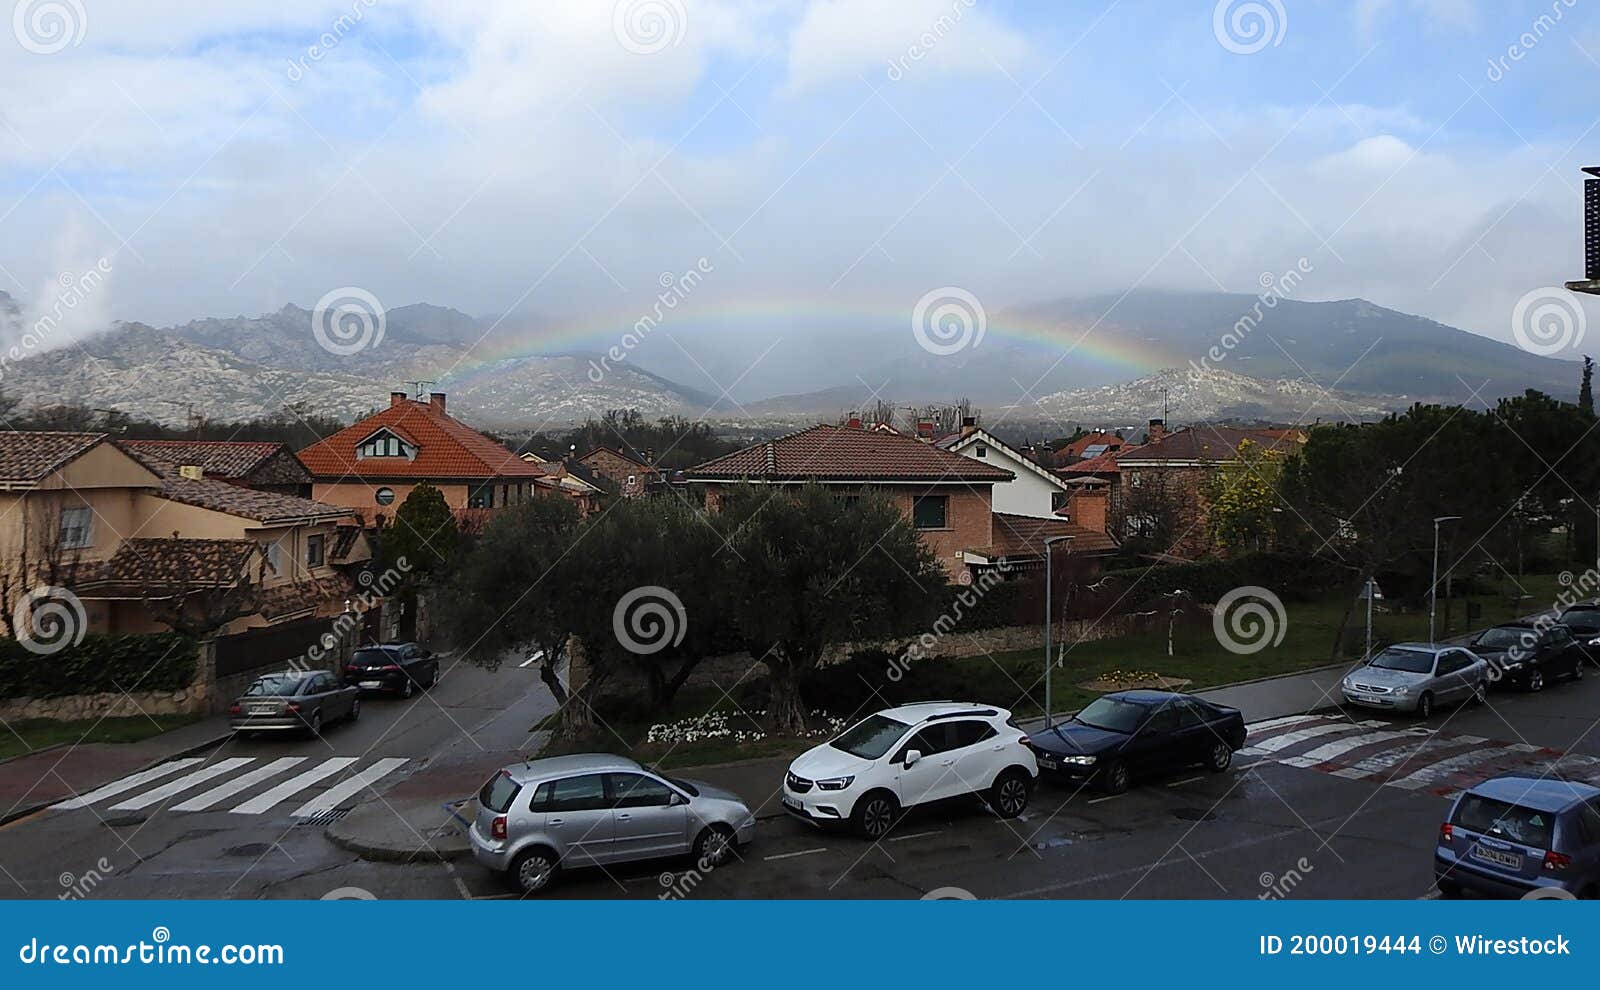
<point>125,784</point>
<point>1180,783</point>
<point>335,795</point>
<point>1301,735</point>
<point>915,835</point>
<point>1337,748</point>
<point>292,786</point>
<point>1108,797</point>
<point>218,794</point>
<point>194,779</point>
<point>1275,722</point>
<point>802,852</point>
<point>1420,778</point>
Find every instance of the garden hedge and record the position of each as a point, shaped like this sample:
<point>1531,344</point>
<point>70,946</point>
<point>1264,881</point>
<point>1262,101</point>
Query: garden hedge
<point>99,664</point>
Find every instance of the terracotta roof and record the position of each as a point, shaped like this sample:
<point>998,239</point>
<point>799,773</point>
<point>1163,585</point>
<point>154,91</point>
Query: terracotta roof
<point>1024,536</point>
<point>301,597</point>
<point>219,458</point>
<point>144,564</point>
<point>1104,464</point>
<point>446,448</point>
<point>846,453</point>
<point>249,503</point>
<point>1207,443</point>
<point>612,450</point>
<point>29,455</point>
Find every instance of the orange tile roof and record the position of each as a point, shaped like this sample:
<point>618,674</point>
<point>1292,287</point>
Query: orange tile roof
<point>446,448</point>
<point>1024,536</point>
<point>844,453</point>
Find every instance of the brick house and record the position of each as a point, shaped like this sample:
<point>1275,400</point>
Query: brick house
<point>1033,489</point>
<point>78,510</point>
<point>631,475</point>
<point>371,466</point>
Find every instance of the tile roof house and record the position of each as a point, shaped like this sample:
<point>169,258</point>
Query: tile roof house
<point>1033,490</point>
<point>1092,444</point>
<point>78,509</point>
<point>947,497</point>
<point>1019,541</point>
<point>266,465</point>
<point>630,475</point>
<point>371,466</point>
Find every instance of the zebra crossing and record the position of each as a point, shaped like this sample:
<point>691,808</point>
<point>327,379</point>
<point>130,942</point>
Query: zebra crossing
<point>210,787</point>
<point>1413,758</point>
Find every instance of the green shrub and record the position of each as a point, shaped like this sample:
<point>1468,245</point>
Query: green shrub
<point>1292,577</point>
<point>99,664</point>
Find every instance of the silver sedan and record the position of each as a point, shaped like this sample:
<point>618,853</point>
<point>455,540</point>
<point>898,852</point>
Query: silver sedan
<point>1416,677</point>
<point>293,701</point>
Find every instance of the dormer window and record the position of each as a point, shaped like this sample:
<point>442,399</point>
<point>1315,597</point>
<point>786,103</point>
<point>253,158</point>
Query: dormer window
<point>386,443</point>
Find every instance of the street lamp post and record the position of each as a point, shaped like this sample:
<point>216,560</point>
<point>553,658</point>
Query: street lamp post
<point>1433,589</point>
<point>1049,621</point>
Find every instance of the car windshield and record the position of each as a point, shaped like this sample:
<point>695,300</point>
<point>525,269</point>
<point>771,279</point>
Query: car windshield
<point>1487,816</point>
<point>1500,637</point>
<point>1584,619</point>
<point>1410,661</point>
<point>871,737</point>
<point>1112,714</point>
<point>274,686</point>
<point>498,793</point>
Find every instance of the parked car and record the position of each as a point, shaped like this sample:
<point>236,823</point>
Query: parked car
<point>1517,836</point>
<point>1528,656</point>
<point>1133,733</point>
<point>293,701</point>
<point>909,756</point>
<point>537,818</point>
<point>1416,677</point>
<point>1583,621</point>
<point>393,668</point>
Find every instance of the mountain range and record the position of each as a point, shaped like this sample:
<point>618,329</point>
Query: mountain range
<point>1115,360</point>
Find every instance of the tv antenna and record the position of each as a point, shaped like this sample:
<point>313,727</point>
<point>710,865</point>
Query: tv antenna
<point>420,387</point>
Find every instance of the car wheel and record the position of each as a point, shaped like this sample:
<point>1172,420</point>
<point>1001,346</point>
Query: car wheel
<point>1448,890</point>
<point>1425,705</point>
<point>355,709</point>
<point>433,677</point>
<point>1219,757</point>
<point>714,847</point>
<point>874,815</point>
<point>316,722</point>
<point>1114,779</point>
<point>1536,681</point>
<point>410,687</point>
<point>1577,671</point>
<point>1008,796</point>
<point>1480,693</point>
<point>533,870</point>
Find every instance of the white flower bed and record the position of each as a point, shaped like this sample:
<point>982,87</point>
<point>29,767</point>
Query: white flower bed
<point>737,726</point>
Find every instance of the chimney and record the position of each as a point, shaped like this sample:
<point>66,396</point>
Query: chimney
<point>925,429</point>
<point>436,400</point>
<point>1087,507</point>
<point>650,456</point>
<point>854,422</point>
<point>969,425</point>
<point>1157,430</point>
<point>395,398</point>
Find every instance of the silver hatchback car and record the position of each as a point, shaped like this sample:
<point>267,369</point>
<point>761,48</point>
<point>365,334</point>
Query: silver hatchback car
<point>538,817</point>
<point>1417,677</point>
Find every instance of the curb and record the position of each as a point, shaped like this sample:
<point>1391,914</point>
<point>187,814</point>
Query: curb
<point>427,853</point>
<point>34,809</point>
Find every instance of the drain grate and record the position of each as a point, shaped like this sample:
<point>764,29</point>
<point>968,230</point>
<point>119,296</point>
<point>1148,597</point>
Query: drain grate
<point>322,818</point>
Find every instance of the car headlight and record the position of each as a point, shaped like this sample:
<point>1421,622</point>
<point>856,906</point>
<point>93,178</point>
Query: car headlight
<point>1081,761</point>
<point>835,783</point>
<point>1401,692</point>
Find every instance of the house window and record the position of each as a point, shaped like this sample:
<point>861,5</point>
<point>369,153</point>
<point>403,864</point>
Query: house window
<point>384,496</point>
<point>1058,501</point>
<point>982,450</point>
<point>930,511</point>
<point>75,527</point>
<point>314,550</point>
<point>270,551</point>
<point>384,444</point>
<point>481,497</point>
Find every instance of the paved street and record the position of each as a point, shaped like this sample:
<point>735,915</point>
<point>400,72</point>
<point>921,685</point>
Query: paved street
<point>1321,805</point>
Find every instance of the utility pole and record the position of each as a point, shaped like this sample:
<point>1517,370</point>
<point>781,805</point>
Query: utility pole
<point>1049,621</point>
<point>1433,589</point>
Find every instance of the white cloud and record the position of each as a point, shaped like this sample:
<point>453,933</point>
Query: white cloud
<point>844,39</point>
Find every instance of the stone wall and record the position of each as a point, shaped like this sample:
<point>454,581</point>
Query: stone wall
<point>88,707</point>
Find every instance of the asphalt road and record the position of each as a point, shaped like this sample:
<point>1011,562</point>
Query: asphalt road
<point>1289,820</point>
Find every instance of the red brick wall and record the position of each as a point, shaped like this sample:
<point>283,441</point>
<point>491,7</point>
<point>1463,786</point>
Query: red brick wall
<point>618,469</point>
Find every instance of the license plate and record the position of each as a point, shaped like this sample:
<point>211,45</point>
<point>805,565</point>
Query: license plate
<point>1495,856</point>
<point>792,804</point>
<point>371,684</point>
<point>263,709</point>
<point>1049,764</point>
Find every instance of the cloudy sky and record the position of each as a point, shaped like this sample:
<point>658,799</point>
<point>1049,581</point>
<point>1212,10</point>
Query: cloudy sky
<point>557,157</point>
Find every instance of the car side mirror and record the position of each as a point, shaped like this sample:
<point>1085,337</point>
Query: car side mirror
<point>912,756</point>
<point>677,799</point>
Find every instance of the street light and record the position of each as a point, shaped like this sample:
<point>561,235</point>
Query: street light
<point>1049,620</point>
<point>1433,589</point>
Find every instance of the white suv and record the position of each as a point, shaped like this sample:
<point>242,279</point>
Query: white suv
<point>912,755</point>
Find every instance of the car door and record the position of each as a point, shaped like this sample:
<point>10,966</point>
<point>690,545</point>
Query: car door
<point>1448,685</point>
<point>648,817</point>
<point>329,699</point>
<point>1155,746</point>
<point>1565,650</point>
<point>930,777</point>
<point>978,754</point>
<point>1194,735</point>
<point>314,698</point>
<point>578,817</point>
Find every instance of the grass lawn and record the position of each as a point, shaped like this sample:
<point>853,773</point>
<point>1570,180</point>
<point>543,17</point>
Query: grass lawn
<point>1015,679</point>
<point>37,733</point>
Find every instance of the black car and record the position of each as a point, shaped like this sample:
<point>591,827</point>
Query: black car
<point>1133,733</point>
<point>1528,656</point>
<point>1583,621</point>
<point>395,668</point>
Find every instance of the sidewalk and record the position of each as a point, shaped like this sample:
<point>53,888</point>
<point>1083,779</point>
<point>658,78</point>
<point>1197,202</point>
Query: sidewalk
<point>39,779</point>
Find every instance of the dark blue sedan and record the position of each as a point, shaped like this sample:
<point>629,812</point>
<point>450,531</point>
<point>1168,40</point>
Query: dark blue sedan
<point>1137,733</point>
<point>1528,837</point>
